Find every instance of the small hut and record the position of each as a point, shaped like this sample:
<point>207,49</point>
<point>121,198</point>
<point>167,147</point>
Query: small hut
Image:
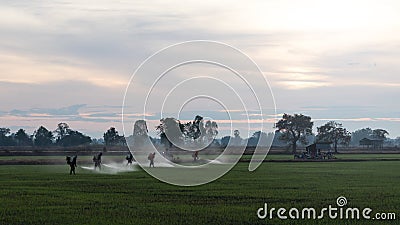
<point>316,149</point>
<point>369,142</point>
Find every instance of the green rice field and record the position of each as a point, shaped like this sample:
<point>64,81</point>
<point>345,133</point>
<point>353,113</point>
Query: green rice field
<point>47,194</point>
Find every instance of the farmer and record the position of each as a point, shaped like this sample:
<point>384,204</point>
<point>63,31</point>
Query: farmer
<point>195,156</point>
<point>129,158</point>
<point>72,163</point>
<point>97,160</point>
<point>151,158</point>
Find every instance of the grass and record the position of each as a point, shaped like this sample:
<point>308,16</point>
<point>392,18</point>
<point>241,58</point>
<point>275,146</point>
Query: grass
<point>48,195</point>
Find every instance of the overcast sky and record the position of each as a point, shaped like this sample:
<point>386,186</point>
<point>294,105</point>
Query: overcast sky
<point>70,61</point>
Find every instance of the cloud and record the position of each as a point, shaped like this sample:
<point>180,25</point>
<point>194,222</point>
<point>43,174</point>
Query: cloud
<point>18,18</point>
<point>60,54</point>
<point>36,70</point>
<point>346,119</point>
<point>294,85</point>
<point>68,111</point>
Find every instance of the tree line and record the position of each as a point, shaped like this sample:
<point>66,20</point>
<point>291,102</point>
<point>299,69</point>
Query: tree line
<point>291,130</point>
<point>295,128</point>
<point>63,136</point>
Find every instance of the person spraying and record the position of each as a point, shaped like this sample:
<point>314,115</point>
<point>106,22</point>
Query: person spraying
<point>129,158</point>
<point>97,160</point>
<point>71,161</point>
<point>195,156</point>
<point>151,158</point>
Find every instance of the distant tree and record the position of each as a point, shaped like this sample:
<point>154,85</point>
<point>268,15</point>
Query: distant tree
<point>74,138</point>
<point>122,140</point>
<point>140,128</point>
<point>211,129</point>
<point>215,143</point>
<point>357,135</point>
<point>111,137</point>
<point>198,131</point>
<point>259,139</point>
<point>236,140</point>
<point>277,141</point>
<point>43,137</point>
<point>140,133</point>
<point>22,138</point>
<point>236,134</point>
<point>253,140</point>
<point>96,141</point>
<point>379,134</point>
<point>174,129</point>
<point>294,128</point>
<point>397,141</point>
<point>67,137</point>
<point>4,131</point>
<point>61,131</point>
<point>333,132</point>
<point>195,130</point>
<point>225,141</point>
<point>5,137</point>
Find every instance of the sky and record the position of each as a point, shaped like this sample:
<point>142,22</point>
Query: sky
<point>71,61</point>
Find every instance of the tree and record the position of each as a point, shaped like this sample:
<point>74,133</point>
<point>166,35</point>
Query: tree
<point>140,128</point>
<point>111,137</point>
<point>294,128</point>
<point>170,131</point>
<point>140,133</point>
<point>99,141</point>
<point>236,140</point>
<point>397,141</point>
<point>43,137</point>
<point>74,138</point>
<point>357,135</point>
<point>62,131</point>
<point>379,134</point>
<point>4,131</point>
<point>198,132</point>
<point>5,137</point>
<point>225,141</point>
<point>259,139</point>
<point>194,130</point>
<point>278,140</point>
<point>236,134</point>
<point>67,137</point>
<point>22,138</point>
<point>333,132</point>
<point>211,129</point>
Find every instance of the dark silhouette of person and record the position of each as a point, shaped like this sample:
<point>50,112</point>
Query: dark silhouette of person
<point>129,158</point>
<point>97,160</point>
<point>72,163</point>
<point>195,156</point>
<point>151,158</point>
